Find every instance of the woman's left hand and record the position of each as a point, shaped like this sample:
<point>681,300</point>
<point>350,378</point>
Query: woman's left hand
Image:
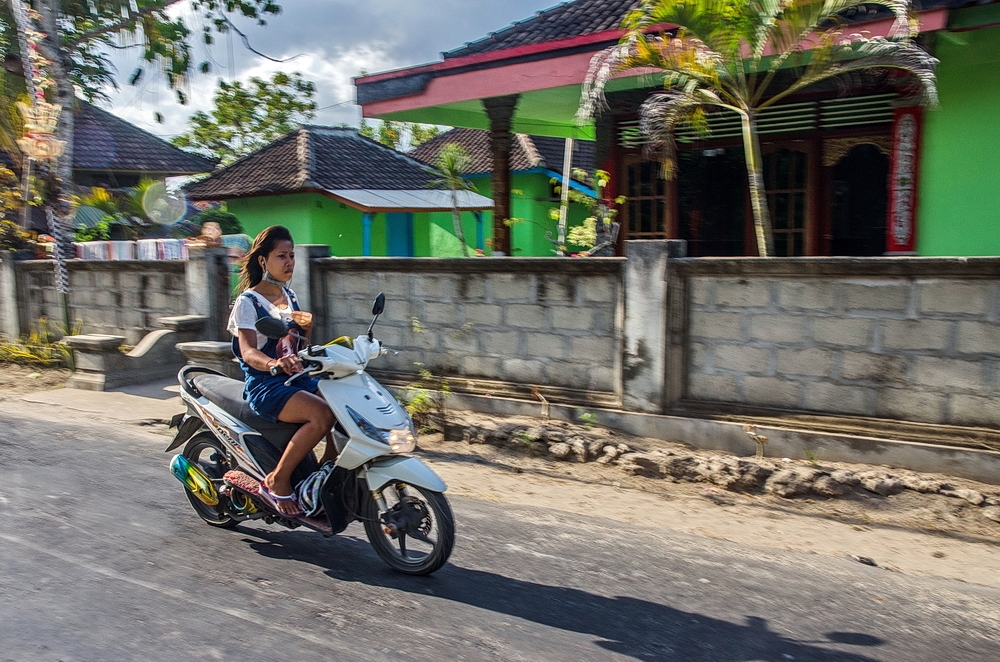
<point>304,320</point>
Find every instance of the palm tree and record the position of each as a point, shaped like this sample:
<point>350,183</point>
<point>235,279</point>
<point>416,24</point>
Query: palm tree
<point>745,56</point>
<point>450,163</point>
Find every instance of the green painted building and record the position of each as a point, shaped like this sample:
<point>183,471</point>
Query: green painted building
<point>332,186</point>
<point>960,173</point>
<point>536,171</point>
<point>851,173</point>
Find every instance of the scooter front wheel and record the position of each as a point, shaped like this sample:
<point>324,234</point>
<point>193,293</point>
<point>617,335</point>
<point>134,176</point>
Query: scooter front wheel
<point>416,533</point>
<point>208,453</point>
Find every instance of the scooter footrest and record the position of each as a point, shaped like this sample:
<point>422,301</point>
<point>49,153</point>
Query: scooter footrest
<point>242,481</point>
<point>318,523</point>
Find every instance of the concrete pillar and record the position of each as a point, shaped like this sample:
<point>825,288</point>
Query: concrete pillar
<point>9,314</point>
<point>646,335</point>
<point>207,279</point>
<point>302,280</point>
<point>500,110</point>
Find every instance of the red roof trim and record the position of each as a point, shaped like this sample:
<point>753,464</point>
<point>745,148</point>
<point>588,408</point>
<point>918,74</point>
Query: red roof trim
<point>493,56</point>
<point>931,20</point>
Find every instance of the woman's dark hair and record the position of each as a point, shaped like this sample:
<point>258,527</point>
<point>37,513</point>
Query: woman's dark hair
<point>251,272</point>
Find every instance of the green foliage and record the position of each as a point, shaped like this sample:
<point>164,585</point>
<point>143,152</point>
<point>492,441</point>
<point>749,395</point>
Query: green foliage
<point>588,419</point>
<point>726,54</point>
<point>100,231</point>
<point>595,232</point>
<point>424,401</point>
<point>402,136</point>
<point>246,117</point>
<point>89,31</point>
<point>811,458</point>
<point>228,222</point>
<point>12,89</point>
<point>13,238</point>
<point>41,347</point>
<point>10,192</point>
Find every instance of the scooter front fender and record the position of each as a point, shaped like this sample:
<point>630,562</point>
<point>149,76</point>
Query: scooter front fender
<point>409,470</point>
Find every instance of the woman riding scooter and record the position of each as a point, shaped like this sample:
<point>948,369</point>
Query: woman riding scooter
<point>264,276</point>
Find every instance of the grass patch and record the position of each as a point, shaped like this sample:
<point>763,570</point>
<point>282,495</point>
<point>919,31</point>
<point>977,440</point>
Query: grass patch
<point>41,348</point>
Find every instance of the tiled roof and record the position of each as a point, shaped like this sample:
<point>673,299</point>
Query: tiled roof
<point>311,158</point>
<point>103,141</point>
<point>106,142</point>
<point>570,19</point>
<point>583,17</point>
<point>527,153</point>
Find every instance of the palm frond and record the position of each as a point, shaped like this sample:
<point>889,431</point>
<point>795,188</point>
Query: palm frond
<point>659,117</point>
<point>855,53</point>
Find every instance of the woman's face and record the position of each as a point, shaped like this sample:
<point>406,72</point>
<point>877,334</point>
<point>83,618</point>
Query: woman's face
<point>280,262</point>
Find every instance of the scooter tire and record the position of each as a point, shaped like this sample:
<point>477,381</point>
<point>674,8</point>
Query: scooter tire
<point>204,450</point>
<point>389,553</point>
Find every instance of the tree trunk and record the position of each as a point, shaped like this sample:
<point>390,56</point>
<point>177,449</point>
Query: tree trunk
<point>758,194</point>
<point>456,216</point>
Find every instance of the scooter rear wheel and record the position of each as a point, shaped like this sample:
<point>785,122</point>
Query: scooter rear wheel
<point>424,528</point>
<point>208,453</point>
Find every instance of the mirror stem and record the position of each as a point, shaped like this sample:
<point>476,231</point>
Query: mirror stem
<point>370,327</point>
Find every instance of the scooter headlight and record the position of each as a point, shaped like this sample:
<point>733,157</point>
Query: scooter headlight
<point>402,441</point>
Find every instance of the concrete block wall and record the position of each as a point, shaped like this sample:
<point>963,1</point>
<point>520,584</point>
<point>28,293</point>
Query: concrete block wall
<point>552,323</point>
<point>901,338</point>
<point>115,298</point>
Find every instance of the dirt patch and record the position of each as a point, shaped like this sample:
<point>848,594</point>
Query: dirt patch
<point>18,379</point>
<point>942,533</point>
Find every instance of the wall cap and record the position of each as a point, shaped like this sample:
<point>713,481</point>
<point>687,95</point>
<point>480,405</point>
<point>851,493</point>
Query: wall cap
<point>856,267</point>
<point>459,265</point>
<point>94,342</point>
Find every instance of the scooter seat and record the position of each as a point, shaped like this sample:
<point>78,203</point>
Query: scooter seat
<point>227,394</point>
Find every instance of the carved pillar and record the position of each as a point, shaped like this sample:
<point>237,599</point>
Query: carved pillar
<point>500,110</point>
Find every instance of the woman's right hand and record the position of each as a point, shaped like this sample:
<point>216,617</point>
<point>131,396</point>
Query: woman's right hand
<point>289,365</point>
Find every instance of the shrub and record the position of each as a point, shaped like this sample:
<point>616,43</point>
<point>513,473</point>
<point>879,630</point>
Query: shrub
<point>13,238</point>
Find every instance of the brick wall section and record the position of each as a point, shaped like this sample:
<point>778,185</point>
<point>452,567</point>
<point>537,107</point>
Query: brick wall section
<point>902,338</point>
<point>115,298</point>
<point>551,323</point>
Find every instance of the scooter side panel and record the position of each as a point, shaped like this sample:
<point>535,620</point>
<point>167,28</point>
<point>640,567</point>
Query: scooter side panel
<point>409,470</point>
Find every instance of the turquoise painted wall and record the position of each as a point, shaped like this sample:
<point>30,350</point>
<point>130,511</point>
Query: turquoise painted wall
<point>960,164</point>
<point>317,219</point>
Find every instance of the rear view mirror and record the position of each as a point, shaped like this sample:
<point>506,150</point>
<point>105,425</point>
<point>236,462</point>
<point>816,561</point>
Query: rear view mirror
<point>271,328</point>
<point>379,304</point>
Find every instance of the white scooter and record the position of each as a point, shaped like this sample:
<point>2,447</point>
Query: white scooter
<point>229,450</point>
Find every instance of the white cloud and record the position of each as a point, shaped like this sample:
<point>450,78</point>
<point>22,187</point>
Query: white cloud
<point>334,39</point>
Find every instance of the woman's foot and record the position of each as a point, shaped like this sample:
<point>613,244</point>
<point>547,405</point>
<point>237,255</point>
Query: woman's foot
<point>282,497</point>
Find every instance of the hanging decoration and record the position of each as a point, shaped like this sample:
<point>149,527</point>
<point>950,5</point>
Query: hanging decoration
<point>41,120</point>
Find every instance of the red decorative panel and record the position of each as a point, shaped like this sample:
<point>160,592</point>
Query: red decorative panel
<point>901,229</point>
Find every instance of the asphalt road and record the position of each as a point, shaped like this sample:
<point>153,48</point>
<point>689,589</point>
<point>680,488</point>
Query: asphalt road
<point>102,558</point>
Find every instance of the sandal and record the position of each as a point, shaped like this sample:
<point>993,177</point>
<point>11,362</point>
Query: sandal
<point>272,500</point>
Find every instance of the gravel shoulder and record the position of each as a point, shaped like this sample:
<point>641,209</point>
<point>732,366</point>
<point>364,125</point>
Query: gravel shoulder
<point>20,380</point>
<point>928,534</point>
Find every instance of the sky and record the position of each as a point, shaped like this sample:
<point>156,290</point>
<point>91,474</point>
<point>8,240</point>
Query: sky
<point>334,40</point>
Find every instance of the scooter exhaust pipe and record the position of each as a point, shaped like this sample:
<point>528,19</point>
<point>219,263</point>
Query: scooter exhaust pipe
<point>195,480</point>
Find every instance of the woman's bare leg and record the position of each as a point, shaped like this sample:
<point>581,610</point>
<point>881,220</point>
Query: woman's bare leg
<point>317,419</point>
